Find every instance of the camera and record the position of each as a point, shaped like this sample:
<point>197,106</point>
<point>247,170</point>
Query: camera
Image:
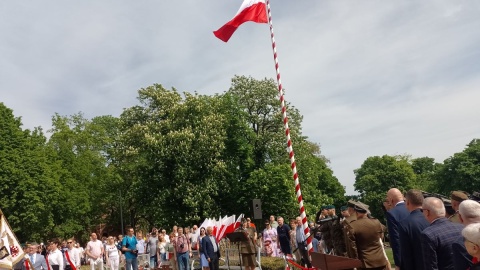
<point>182,245</point>
<point>135,251</point>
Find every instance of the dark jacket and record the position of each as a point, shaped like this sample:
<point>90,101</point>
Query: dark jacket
<point>410,230</point>
<point>437,240</point>
<point>207,248</point>
<point>394,216</point>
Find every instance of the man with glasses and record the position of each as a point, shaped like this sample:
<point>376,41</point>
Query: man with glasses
<point>129,246</point>
<point>72,257</point>
<point>438,237</point>
<point>95,252</point>
<point>37,260</point>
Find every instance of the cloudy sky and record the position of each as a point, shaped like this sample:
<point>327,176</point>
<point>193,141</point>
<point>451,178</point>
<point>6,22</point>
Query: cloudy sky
<point>370,77</point>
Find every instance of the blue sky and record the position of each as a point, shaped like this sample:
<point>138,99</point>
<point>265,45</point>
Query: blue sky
<point>370,77</point>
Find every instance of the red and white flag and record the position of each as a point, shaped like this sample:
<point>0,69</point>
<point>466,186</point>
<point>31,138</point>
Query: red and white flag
<point>250,10</point>
<point>9,242</point>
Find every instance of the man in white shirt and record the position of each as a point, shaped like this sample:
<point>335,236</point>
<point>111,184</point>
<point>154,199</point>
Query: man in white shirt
<point>95,252</point>
<point>72,257</point>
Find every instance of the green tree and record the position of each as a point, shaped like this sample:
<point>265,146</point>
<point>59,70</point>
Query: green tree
<point>78,153</point>
<point>377,175</point>
<point>425,169</point>
<point>25,178</point>
<point>460,171</point>
<point>171,155</point>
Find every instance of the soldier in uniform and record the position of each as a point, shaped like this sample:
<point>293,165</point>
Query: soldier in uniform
<point>346,226</point>
<point>326,229</point>
<point>336,231</point>
<point>248,248</point>
<point>365,234</point>
<point>457,197</point>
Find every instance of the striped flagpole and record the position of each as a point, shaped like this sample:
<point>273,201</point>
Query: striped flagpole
<point>298,191</point>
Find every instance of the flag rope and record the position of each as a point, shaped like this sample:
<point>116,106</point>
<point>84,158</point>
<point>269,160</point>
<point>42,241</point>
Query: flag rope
<point>291,154</point>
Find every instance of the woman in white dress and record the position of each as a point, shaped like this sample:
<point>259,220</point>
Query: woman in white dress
<point>112,254</point>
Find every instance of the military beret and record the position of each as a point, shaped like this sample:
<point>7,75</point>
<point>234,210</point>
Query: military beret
<point>343,208</point>
<point>330,206</point>
<point>459,195</point>
<point>323,207</point>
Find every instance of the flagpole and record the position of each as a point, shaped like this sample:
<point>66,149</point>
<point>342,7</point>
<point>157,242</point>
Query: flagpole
<point>298,192</point>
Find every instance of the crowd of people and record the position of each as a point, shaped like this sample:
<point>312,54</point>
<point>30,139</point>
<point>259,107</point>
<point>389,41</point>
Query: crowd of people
<point>422,235</point>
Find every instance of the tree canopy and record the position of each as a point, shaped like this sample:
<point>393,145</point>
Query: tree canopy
<point>174,158</point>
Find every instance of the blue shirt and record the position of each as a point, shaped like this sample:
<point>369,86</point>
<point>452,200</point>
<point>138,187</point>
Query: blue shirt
<point>130,242</point>
<point>300,235</point>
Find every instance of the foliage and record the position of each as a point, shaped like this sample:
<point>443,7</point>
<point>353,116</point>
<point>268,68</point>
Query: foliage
<point>377,175</point>
<point>272,263</point>
<point>175,158</point>
<point>460,171</point>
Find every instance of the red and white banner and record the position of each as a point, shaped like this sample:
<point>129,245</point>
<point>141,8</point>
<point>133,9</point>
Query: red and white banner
<point>10,242</point>
<point>221,226</point>
<point>250,10</point>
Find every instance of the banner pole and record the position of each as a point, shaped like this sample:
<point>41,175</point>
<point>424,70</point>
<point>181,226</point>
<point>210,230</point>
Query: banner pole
<point>291,154</point>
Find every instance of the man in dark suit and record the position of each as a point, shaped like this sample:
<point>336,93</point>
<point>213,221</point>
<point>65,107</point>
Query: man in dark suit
<point>394,216</point>
<point>211,249</point>
<point>410,230</point>
<point>437,239</point>
<point>37,260</point>
<point>364,234</point>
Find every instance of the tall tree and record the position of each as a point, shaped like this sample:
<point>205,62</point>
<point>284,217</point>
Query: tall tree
<point>377,175</point>
<point>25,178</point>
<point>461,171</point>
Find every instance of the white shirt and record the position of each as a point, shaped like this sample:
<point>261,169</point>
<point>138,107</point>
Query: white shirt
<point>74,257</point>
<point>214,243</point>
<point>167,238</point>
<point>56,258</point>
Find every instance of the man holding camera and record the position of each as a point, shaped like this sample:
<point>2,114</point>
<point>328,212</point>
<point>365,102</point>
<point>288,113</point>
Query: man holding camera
<point>129,246</point>
<point>182,250</point>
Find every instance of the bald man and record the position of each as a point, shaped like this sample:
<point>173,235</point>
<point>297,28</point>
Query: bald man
<point>397,213</point>
<point>438,238</point>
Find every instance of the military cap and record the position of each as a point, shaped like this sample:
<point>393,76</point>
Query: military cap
<point>361,208</point>
<point>459,195</point>
<point>330,206</point>
<point>343,208</point>
<point>351,203</point>
<point>366,206</point>
<point>323,207</point>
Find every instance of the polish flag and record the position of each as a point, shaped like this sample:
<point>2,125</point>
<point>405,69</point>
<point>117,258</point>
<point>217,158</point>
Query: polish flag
<point>250,10</point>
<point>225,225</point>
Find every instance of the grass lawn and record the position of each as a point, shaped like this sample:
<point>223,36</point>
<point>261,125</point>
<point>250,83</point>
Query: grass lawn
<point>390,256</point>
